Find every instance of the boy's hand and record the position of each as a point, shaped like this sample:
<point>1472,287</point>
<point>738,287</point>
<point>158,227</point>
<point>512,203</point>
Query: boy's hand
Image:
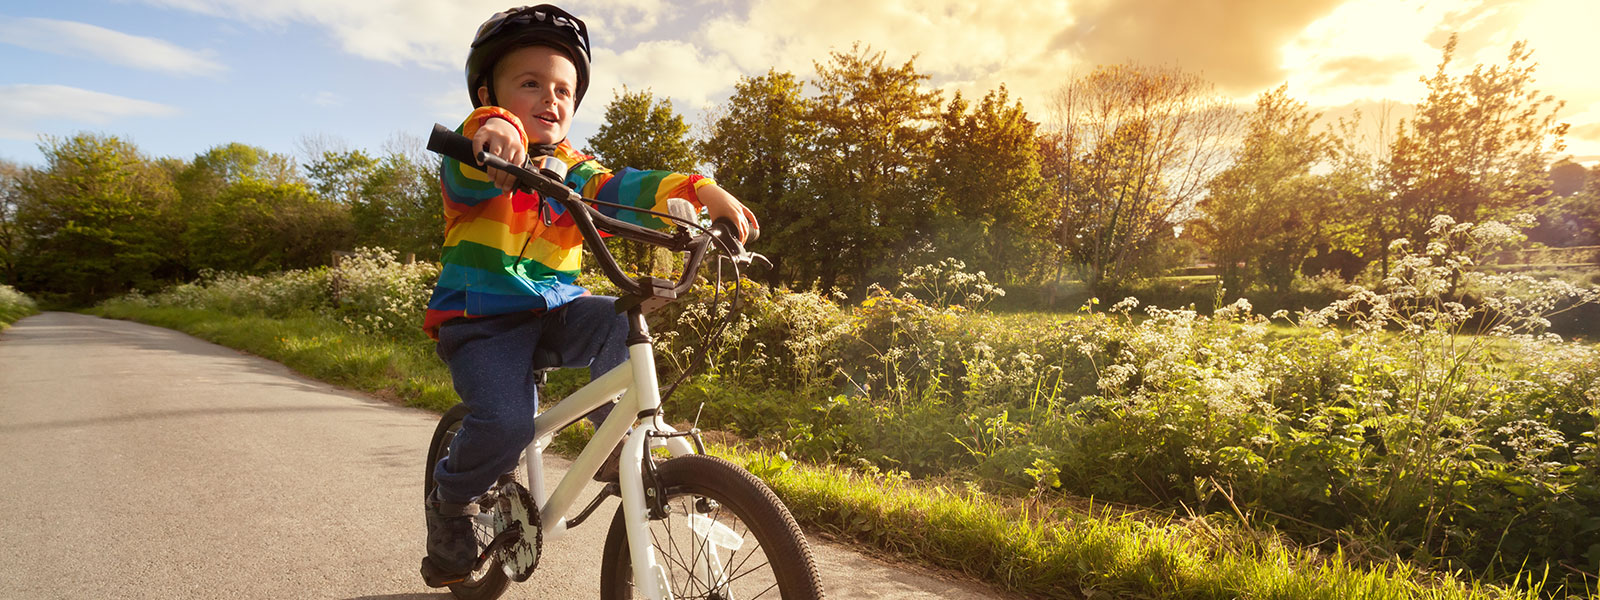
<point>722,205</point>
<point>500,138</point>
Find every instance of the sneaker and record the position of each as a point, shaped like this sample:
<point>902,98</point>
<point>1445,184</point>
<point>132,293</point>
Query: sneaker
<point>452,544</point>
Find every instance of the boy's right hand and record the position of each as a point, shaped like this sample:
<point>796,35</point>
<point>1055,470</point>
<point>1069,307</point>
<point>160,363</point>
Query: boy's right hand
<point>500,138</point>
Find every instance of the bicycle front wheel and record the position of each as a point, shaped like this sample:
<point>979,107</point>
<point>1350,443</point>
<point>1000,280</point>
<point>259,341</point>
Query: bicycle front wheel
<point>723,535</point>
<point>491,581</point>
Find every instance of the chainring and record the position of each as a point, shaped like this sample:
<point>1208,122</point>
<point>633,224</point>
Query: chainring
<point>515,509</point>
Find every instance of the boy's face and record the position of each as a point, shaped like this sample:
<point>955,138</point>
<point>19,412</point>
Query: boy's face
<point>536,83</point>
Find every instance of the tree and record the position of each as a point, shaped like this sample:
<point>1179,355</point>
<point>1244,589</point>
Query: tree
<point>1477,147</point>
<point>10,235</point>
<point>989,189</point>
<point>97,220</point>
<point>866,174</point>
<point>257,226</point>
<point>1140,145</point>
<point>643,134</point>
<point>339,176</point>
<point>757,147</point>
<point>1572,218</point>
<point>1266,211</point>
<point>224,165</point>
<point>398,205</point>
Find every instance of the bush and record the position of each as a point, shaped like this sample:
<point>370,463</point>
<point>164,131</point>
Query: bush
<point>14,305</point>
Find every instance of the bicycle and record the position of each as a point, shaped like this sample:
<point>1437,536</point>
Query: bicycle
<point>696,526</point>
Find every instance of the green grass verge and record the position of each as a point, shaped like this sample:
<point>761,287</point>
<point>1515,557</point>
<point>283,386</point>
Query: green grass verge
<point>1077,553</point>
<point>12,311</point>
<point>1066,553</point>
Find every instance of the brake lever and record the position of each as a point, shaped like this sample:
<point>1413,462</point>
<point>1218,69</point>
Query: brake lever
<point>748,257</point>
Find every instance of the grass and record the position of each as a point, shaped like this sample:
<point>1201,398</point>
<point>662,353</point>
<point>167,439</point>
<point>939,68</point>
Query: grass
<point>14,306</point>
<point>1056,552</point>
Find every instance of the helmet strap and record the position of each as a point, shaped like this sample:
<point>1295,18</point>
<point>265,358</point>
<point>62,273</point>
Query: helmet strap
<point>488,81</point>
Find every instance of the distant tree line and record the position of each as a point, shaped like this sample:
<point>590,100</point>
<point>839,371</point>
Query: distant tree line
<point>860,173</point>
<point>99,218</point>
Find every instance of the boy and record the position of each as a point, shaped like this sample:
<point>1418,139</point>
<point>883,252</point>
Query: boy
<point>506,291</point>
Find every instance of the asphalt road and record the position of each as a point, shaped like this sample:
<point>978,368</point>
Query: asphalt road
<point>138,462</point>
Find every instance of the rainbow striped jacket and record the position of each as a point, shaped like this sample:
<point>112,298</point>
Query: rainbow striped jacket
<point>500,255</point>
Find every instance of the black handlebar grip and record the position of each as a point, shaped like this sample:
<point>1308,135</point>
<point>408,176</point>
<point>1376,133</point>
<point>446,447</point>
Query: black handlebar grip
<point>452,144</point>
<point>732,231</point>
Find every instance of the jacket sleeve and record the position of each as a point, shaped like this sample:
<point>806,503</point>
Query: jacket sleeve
<point>465,185</point>
<point>649,190</point>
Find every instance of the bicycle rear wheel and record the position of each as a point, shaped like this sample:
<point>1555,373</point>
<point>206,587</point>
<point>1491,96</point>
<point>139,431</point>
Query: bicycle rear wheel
<point>491,581</point>
<point>724,535</point>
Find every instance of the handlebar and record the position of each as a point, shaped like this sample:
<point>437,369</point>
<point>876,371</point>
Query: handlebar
<point>591,222</point>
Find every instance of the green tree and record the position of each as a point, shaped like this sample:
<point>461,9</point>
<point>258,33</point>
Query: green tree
<point>757,147</point>
<point>1570,214</point>
<point>867,171</point>
<point>1140,144</point>
<point>257,226</point>
<point>641,133</point>
<point>339,176</point>
<point>217,168</point>
<point>97,220</point>
<point>10,234</point>
<point>1477,148</point>
<point>1266,211</point>
<point>990,203</point>
<point>399,205</point>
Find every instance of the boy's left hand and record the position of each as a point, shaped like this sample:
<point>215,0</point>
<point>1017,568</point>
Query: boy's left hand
<point>722,205</point>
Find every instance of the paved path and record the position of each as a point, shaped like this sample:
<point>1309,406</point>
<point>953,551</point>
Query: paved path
<point>138,462</point>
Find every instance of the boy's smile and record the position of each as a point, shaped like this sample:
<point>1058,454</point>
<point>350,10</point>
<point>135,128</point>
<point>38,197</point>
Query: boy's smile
<point>536,83</point>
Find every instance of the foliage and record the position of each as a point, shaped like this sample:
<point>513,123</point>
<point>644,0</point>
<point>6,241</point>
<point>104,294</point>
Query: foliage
<point>644,134</point>
<point>866,193</point>
<point>398,206</point>
<point>1427,428</point>
<point>992,209</point>
<point>757,147</point>
<point>377,293</point>
<point>339,176</point>
<point>1477,148</point>
<point>1138,146</point>
<point>14,305</point>
<point>1570,215</point>
<point>255,226</point>
<point>1265,212</point>
<point>10,234</point>
<point>96,220</point>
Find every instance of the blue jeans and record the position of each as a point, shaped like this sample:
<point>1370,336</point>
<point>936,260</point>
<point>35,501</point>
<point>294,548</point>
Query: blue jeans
<point>492,363</point>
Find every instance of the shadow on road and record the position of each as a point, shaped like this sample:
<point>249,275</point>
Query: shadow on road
<point>124,419</point>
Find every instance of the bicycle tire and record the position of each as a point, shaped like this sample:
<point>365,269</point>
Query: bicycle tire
<point>491,581</point>
<point>740,498</point>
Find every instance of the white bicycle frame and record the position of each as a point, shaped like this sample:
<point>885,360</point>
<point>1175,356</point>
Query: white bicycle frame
<point>636,381</point>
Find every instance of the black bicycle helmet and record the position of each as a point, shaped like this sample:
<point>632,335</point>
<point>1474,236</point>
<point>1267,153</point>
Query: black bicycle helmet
<point>542,25</point>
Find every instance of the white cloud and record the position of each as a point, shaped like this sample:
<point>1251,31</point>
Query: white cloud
<point>71,38</point>
<point>678,70</point>
<point>424,32</point>
<point>620,18</point>
<point>22,105</point>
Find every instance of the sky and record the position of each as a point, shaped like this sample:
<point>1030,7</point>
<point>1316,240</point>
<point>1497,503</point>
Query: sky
<point>177,77</point>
